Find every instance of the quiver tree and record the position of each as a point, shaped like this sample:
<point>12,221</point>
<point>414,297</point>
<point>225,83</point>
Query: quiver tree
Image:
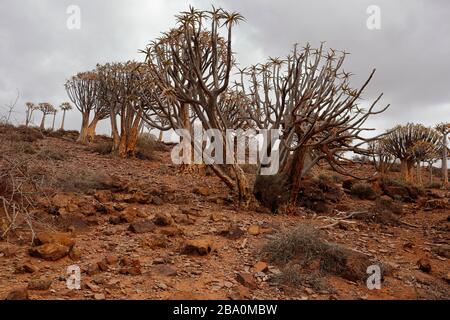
<point>30,107</point>
<point>192,64</point>
<point>422,151</point>
<point>120,93</point>
<point>308,97</point>
<point>83,90</point>
<point>55,111</point>
<point>400,143</point>
<point>46,109</point>
<point>444,130</point>
<point>381,158</point>
<point>65,106</point>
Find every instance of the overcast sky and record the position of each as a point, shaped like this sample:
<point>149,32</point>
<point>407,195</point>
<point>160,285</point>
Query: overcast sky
<point>411,51</point>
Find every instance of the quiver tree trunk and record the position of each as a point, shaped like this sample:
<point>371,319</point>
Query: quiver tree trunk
<point>405,170</point>
<point>91,129</point>
<point>63,119</point>
<point>83,138</point>
<point>42,126</point>
<point>419,173</point>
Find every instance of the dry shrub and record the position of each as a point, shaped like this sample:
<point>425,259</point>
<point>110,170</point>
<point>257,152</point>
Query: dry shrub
<point>84,181</point>
<point>294,275</point>
<point>363,191</point>
<point>306,246</point>
<point>51,153</point>
<point>103,147</point>
<point>24,147</point>
<point>147,145</point>
<point>21,133</point>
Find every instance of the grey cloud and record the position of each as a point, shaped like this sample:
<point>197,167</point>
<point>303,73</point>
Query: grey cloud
<point>410,52</point>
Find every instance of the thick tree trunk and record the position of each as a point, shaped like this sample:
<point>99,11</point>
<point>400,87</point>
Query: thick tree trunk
<point>405,169</point>
<point>160,139</point>
<point>419,173</point>
<point>63,119</point>
<point>430,168</point>
<point>84,126</point>
<point>133,136</point>
<point>91,129</point>
<point>53,124</point>
<point>42,126</point>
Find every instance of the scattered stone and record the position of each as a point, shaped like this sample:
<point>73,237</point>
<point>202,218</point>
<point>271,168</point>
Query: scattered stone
<point>254,230</point>
<point>75,254</point>
<point>39,284</point>
<point>27,267</point>
<point>92,269</point>
<point>111,259</point>
<point>260,267</point>
<point>64,239</point>
<point>18,294</point>
<point>130,266</point>
<point>246,279</point>
<point>157,201</point>
<point>240,293</point>
<point>99,296</point>
<point>144,226</point>
<point>443,251</point>
<point>200,247</point>
<point>424,265</point>
<point>203,191</point>
<point>447,277</point>
<point>103,266</point>
<point>165,270</point>
<point>233,232</point>
<point>163,219</point>
<point>8,251</point>
<point>50,251</point>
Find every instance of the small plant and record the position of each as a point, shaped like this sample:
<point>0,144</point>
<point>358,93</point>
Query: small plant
<point>52,154</point>
<point>363,191</point>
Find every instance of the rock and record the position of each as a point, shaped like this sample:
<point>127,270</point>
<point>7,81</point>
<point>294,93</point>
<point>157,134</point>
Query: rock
<point>184,219</point>
<point>75,254</point>
<point>92,269</point>
<point>171,231</point>
<point>447,277</point>
<point>61,238</point>
<point>348,184</point>
<point>240,293</point>
<point>163,219</point>
<point>200,247</point>
<point>50,251</point>
<point>254,230</point>
<point>157,201</point>
<point>62,200</point>
<point>233,232</point>
<point>130,266</point>
<point>27,267</point>
<point>103,196</point>
<point>203,191</point>
<point>8,251</point>
<point>443,251</point>
<point>115,220</point>
<point>39,284</point>
<point>141,197</point>
<point>111,259</point>
<point>165,270</point>
<point>247,279</point>
<point>18,294</point>
<point>99,296</point>
<point>144,226</point>
<point>424,265</point>
<point>260,267</point>
<point>435,204</point>
<point>129,214</point>
<point>103,266</point>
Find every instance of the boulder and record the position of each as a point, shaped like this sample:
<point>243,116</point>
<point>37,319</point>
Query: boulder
<point>200,247</point>
<point>143,226</point>
<point>18,294</point>
<point>163,219</point>
<point>50,251</point>
<point>247,280</point>
<point>39,284</point>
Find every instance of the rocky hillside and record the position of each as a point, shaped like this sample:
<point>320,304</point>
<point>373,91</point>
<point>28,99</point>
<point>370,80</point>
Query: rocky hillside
<point>142,229</point>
